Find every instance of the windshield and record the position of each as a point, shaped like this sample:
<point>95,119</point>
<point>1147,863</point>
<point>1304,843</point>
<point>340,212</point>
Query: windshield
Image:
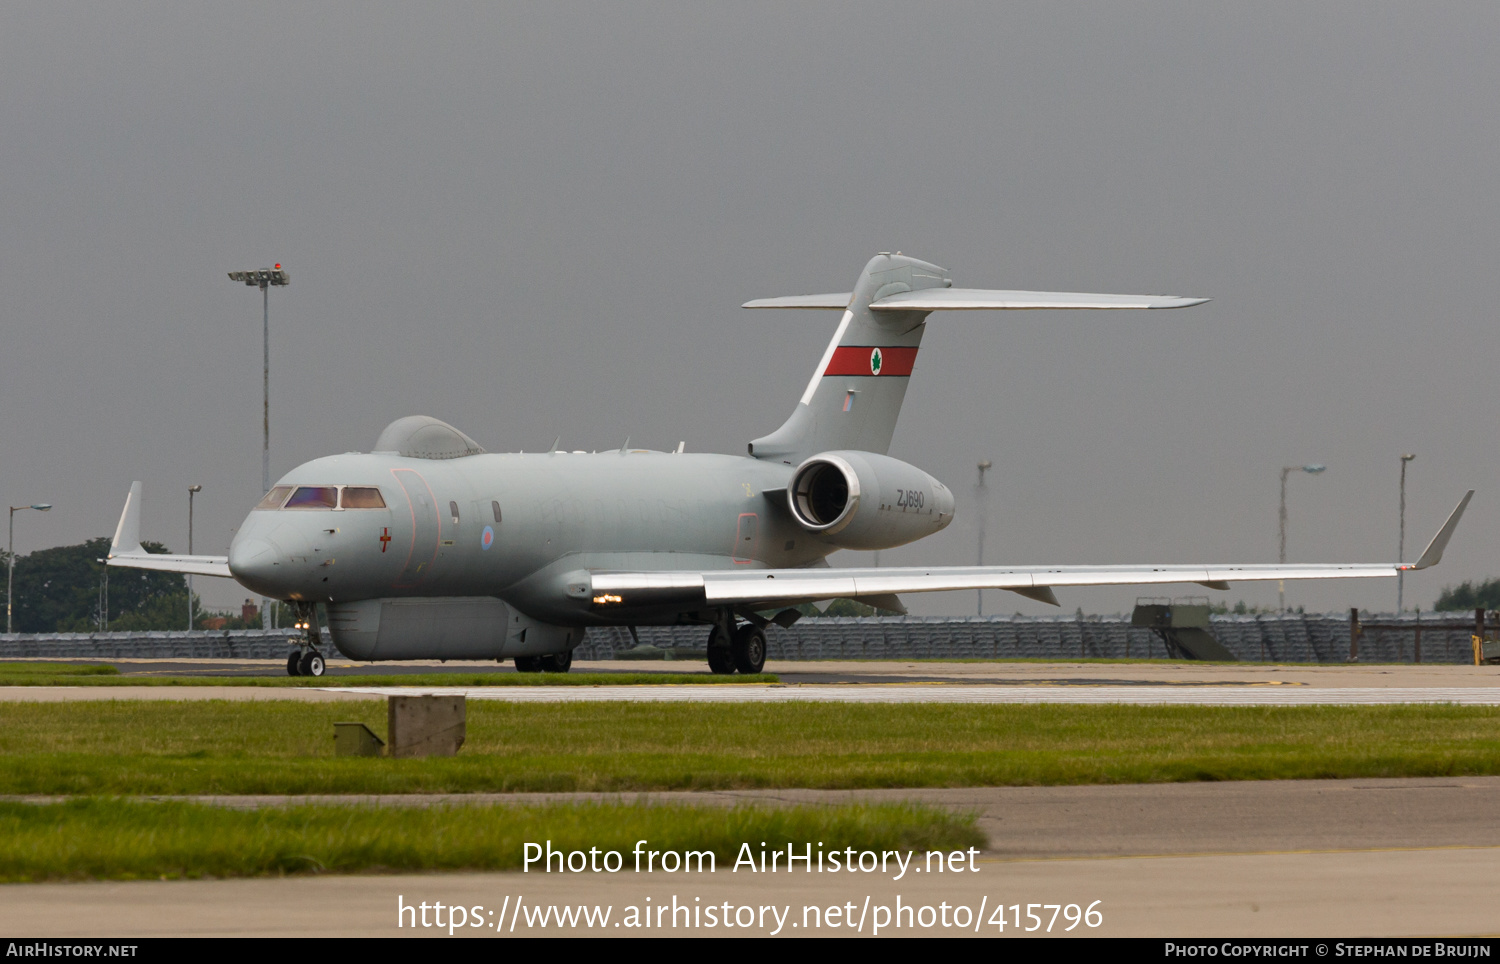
<point>363,497</point>
<point>275,497</point>
<point>313,497</point>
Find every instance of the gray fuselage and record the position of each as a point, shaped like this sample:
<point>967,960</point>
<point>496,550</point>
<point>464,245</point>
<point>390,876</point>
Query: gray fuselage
<point>522,522</point>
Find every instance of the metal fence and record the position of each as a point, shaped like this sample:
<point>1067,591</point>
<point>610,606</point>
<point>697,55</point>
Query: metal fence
<point>221,644</point>
<point>1275,638</point>
<point>1289,638</point>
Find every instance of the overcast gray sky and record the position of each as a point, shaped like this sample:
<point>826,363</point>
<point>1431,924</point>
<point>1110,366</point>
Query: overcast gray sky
<point>539,219</point>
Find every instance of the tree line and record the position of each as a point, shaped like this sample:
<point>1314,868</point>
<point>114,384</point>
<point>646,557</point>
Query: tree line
<point>64,590</point>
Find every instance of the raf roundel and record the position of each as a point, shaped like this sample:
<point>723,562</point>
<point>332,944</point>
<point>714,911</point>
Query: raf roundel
<point>487,537</point>
<point>875,361</point>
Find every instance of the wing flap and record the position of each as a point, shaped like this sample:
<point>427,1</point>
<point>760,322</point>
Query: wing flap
<point>789,586</point>
<point>736,587</point>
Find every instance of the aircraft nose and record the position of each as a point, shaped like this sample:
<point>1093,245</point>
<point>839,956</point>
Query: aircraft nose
<point>253,564</point>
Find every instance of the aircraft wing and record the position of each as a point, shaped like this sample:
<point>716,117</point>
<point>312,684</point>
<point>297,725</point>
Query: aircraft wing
<point>126,549</point>
<point>783,586</point>
<point>837,301</point>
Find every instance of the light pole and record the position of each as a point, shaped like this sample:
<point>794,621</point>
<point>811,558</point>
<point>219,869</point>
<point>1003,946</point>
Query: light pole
<point>1401,544</point>
<point>1285,471</point>
<point>103,596</point>
<point>10,558</point>
<point>264,279</point>
<point>192,491</point>
<point>981,499</point>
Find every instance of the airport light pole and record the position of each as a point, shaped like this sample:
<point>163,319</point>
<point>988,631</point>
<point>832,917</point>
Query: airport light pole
<point>981,500</point>
<point>10,558</point>
<point>1401,543</point>
<point>264,279</point>
<point>192,491</point>
<point>103,596</point>
<point>1287,470</point>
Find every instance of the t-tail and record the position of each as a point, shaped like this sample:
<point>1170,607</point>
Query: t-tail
<point>855,395</point>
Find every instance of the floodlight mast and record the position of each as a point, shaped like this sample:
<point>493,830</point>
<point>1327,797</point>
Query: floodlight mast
<point>192,491</point>
<point>1401,538</point>
<point>264,279</point>
<point>10,557</point>
<point>1281,556</point>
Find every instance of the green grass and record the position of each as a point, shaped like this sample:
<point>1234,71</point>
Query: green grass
<point>118,839</point>
<point>62,674</point>
<point>26,673</point>
<point>168,747</point>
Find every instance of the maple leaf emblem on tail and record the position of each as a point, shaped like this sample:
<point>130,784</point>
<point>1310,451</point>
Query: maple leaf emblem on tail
<point>875,362</point>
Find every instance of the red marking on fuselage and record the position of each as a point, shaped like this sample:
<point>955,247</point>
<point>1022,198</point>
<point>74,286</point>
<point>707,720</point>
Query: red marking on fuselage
<point>855,360</point>
<point>385,538</point>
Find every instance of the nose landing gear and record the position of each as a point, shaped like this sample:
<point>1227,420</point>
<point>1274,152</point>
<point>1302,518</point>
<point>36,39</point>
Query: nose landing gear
<point>305,660</point>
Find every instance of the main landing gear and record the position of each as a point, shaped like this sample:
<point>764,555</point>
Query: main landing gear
<point>744,649</point>
<point>555,663</point>
<point>305,660</point>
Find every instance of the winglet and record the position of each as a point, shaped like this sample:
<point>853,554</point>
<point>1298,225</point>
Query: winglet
<point>128,533</point>
<point>1434,552</point>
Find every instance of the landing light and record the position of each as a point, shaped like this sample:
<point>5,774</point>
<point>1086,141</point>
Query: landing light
<point>606,599</point>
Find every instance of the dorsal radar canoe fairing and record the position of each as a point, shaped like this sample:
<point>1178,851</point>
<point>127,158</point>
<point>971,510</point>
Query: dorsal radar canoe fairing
<point>762,587</point>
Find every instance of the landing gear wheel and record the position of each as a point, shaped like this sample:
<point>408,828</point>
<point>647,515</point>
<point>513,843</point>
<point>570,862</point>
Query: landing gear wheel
<point>557,662</point>
<point>720,661</point>
<point>749,649</point>
<point>294,664</point>
<point>312,664</point>
<point>528,664</point>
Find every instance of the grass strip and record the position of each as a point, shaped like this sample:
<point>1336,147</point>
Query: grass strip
<point>121,840</point>
<point>108,676</point>
<point>223,747</point>
<point>23,673</point>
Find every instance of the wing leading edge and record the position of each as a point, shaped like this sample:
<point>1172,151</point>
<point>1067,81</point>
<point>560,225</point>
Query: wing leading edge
<point>804,585</point>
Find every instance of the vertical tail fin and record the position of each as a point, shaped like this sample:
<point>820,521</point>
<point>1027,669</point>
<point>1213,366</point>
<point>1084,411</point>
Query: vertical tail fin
<point>856,392</point>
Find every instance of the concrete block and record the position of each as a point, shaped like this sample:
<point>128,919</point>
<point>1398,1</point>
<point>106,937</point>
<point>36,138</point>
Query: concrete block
<point>355,739</point>
<point>426,725</point>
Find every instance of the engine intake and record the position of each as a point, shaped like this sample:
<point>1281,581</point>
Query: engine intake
<point>825,493</point>
<point>859,500</point>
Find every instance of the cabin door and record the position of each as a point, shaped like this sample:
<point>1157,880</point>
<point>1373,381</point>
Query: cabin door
<point>426,527</point>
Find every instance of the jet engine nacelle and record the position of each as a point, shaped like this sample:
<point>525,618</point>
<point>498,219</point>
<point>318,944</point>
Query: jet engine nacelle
<point>859,500</point>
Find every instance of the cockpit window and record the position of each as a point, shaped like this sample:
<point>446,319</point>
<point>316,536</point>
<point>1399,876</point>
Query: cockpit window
<point>275,497</point>
<point>363,497</point>
<point>313,497</point>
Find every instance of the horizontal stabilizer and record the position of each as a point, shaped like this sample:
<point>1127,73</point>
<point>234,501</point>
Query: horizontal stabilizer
<point>836,302</point>
<point>980,299</point>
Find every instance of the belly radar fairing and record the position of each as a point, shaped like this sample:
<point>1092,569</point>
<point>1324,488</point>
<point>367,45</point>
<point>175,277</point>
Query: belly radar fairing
<point>429,547</point>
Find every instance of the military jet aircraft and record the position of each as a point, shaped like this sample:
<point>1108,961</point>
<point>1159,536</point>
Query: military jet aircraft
<point>428,547</point>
